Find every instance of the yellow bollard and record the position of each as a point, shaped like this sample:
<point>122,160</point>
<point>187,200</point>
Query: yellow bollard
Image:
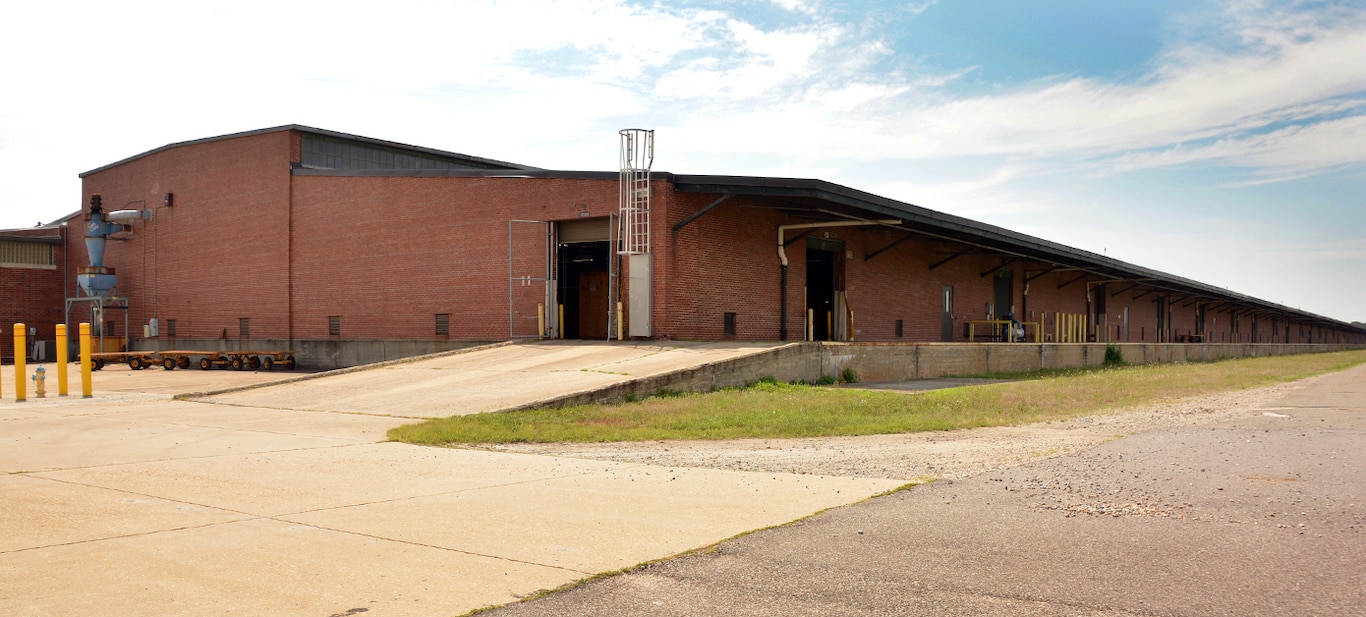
<point>620,326</point>
<point>559,333</point>
<point>540,320</point>
<point>85,360</point>
<point>20,345</point>
<point>61,359</point>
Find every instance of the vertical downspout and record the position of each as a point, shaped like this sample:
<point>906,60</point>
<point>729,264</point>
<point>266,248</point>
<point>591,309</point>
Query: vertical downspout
<point>289,255</point>
<point>66,277</point>
<point>782,315</point>
<point>782,259</point>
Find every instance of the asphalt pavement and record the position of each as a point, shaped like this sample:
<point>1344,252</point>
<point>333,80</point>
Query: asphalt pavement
<point>1264,515</point>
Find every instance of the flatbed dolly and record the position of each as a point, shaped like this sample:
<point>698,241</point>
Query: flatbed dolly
<point>136,360</point>
<point>236,360</point>
<point>173,359</point>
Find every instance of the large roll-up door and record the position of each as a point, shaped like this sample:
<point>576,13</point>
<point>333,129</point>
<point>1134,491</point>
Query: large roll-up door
<point>585,230</point>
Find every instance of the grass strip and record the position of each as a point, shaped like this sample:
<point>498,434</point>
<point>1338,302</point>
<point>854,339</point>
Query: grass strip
<point>778,410</point>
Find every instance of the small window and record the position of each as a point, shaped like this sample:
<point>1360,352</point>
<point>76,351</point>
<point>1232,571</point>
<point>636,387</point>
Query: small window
<point>443,324</point>
<point>728,324</point>
<point>15,254</point>
<point>244,327</point>
<point>170,327</point>
<point>898,328</point>
<point>334,325</point>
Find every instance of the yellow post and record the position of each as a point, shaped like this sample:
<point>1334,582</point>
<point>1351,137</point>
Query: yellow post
<point>1085,319</point>
<point>851,325</point>
<point>20,344</point>
<point>810,324</point>
<point>560,332</point>
<point>621,328</point>
<point>540,320</point>
<point>61,359</point>
<point>829,329</point>
<point>85,359</point>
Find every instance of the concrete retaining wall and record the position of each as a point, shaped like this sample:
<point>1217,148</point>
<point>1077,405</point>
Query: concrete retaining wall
<point>897,362</point>
<point>890,362</point>
<point>872,361</point>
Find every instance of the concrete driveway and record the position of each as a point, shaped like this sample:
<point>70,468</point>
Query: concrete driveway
<point>131,503</point>
<point>490,379</point>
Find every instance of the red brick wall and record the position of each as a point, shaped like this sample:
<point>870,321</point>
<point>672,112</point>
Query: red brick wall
<point>725,261</point>
<point>219,253</point>
<point>31,296</point>
<point>386,254</point>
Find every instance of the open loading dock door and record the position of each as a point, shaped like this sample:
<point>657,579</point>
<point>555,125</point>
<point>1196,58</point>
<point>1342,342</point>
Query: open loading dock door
<point>586,278</point>
<point>825,302</point>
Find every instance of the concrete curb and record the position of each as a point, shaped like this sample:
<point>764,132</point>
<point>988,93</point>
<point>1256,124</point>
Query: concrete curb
<point>787,363</point>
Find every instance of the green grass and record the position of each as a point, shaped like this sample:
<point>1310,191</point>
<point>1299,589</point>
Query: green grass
<point>777,410</point>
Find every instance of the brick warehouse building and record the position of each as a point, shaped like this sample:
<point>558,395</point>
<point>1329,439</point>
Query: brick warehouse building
<point>352,249</point>
<point>32,266</point>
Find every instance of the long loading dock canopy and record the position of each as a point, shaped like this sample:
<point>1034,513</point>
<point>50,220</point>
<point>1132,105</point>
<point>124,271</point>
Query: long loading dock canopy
<point>819,200</point>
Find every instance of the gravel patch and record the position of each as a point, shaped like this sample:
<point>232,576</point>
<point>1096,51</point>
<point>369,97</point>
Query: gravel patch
<point>930,455</point>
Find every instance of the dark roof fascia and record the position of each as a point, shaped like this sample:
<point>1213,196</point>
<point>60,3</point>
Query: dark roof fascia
<point>5,235</point>
<point>912,214</point>
<point>316,131</point>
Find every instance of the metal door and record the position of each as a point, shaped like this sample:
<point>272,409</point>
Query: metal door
<point>531,279</point>
<point>947,332</point>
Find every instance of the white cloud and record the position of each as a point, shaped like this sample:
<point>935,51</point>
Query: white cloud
<point>1288,153</point>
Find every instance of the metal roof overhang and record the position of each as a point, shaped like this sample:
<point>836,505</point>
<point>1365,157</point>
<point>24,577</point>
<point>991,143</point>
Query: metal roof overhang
<point>821,200</point>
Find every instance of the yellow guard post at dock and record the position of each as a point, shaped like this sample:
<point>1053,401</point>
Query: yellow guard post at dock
<point>20,345</point>
<point>61,359</point>
<point>85,360</point>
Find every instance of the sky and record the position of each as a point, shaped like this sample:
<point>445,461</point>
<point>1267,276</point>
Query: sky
<point>1218,140</point>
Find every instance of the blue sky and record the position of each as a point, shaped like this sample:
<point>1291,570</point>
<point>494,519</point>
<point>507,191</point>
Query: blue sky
<point>1223,141</point>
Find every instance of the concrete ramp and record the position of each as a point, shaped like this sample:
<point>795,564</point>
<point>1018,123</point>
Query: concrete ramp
<point>491,379</point>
